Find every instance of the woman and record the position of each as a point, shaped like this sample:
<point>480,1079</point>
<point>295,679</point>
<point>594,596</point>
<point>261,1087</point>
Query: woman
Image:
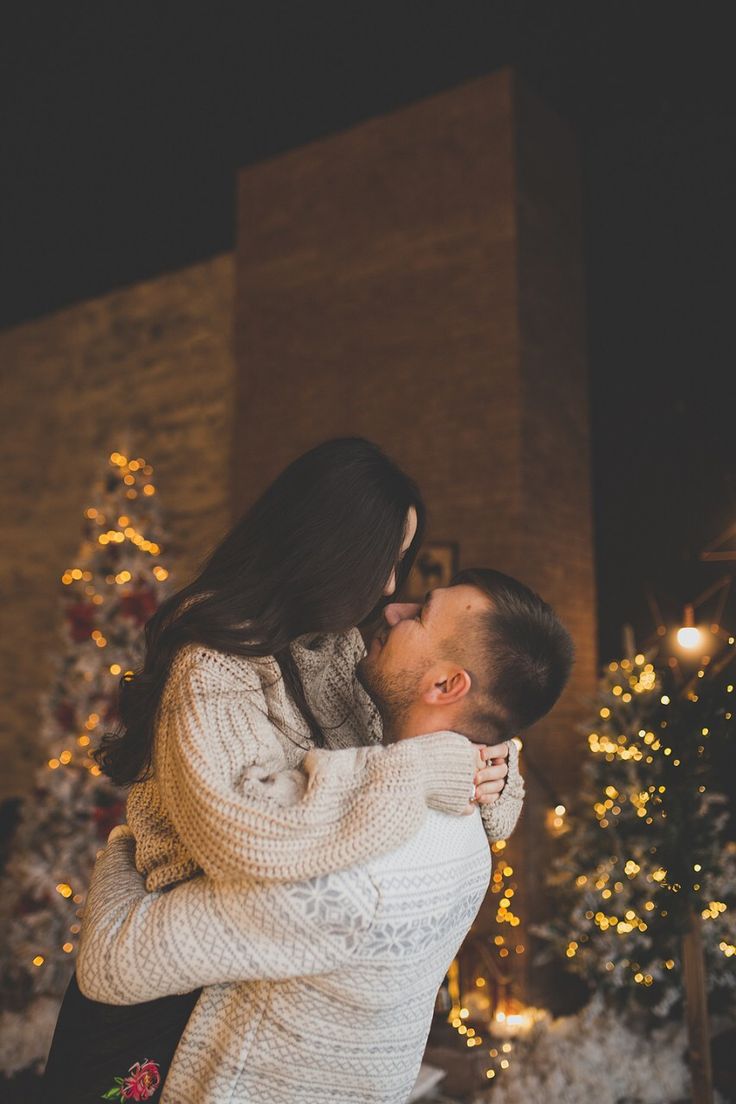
<point>247,668</point>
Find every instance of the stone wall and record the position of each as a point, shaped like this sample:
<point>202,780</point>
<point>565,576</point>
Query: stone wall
<point>152,362</point>
<point>417,279</point>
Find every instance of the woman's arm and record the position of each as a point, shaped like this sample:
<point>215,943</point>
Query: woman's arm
<point>358,803</point>
<point>137,946</point>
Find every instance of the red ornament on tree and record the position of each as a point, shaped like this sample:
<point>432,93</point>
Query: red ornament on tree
<point>81,621</point>
<point>139,604</point>
<point>66,715</point>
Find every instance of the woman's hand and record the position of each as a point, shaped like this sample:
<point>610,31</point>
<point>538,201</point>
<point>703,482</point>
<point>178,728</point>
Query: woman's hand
<point>490,775</point>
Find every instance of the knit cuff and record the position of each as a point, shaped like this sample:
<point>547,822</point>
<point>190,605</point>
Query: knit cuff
<point>514,779</point>
<point>448,764</point>
<point>501,816</point>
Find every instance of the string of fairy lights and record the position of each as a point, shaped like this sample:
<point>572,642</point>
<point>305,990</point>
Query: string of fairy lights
<point>638,676</point>
<point>692,637</point>
<point>117,528</point>
<point>507,1020</point>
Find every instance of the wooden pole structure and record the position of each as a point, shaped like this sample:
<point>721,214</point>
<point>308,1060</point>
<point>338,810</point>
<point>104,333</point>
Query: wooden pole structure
<point>696,1002</point>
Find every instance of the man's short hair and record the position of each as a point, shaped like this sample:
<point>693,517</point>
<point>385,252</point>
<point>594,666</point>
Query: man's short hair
<point>522,656</point>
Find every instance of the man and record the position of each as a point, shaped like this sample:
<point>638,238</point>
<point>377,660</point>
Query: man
<point>343,968</point>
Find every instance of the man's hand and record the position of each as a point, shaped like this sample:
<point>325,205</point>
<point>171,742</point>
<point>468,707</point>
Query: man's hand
<point>490,775</point>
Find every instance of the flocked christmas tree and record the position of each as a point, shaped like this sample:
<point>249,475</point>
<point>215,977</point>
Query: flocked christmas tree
<point>650,849</point>
<point>107,595</point>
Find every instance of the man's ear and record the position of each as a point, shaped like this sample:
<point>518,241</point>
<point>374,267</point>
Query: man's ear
<point>448,686</point>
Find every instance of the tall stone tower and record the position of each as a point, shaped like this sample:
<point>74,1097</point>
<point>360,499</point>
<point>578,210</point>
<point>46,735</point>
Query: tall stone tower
<point>417,279</point>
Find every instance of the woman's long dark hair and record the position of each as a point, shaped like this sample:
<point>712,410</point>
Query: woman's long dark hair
<point>313,554</point>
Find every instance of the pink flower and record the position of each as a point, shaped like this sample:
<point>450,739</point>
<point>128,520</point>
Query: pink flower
<point>142,1082</point>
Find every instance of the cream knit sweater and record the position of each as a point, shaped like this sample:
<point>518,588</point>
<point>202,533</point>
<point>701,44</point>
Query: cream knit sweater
<point>336,975</point>
<point>206,809</point>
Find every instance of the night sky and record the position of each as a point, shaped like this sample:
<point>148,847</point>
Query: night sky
<point>123,127</point>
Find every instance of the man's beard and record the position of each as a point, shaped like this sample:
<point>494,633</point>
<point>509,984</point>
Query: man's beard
<point>393,695</point>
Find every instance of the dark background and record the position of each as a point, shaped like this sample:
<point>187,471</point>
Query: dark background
<point>123,127</point>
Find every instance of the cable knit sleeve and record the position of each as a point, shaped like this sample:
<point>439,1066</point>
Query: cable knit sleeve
<point>500,817</point>
<point>358,802</point>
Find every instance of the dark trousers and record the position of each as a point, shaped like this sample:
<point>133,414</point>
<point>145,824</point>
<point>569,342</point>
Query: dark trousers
<point>110,1051</point>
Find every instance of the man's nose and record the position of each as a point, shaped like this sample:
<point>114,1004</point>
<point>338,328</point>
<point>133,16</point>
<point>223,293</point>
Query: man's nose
<point>400,611</point>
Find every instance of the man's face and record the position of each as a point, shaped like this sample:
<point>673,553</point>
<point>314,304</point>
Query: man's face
<point>405,656</point>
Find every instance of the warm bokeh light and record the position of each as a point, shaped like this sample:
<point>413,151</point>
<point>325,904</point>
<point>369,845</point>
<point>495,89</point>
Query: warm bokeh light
<point>689,637</point>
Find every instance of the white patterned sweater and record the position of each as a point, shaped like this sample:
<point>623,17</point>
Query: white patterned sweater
<point>208,808</point>
<point>337,975</point>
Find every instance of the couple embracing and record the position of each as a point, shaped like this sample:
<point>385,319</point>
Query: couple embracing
<point>308,822</point>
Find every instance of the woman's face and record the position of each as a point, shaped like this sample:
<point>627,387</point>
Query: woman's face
<point>409,532</point>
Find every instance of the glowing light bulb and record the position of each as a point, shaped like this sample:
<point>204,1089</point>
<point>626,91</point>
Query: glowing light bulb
<point>689,637</point>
